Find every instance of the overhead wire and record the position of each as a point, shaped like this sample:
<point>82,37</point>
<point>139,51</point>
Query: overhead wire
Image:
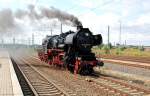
<point>98,6</point>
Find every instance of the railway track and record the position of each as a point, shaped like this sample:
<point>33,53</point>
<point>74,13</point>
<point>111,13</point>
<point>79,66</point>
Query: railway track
<point>25,85</point>
<point>139,62</point>
<point>112,85</point>
<point>119,87</point>
<point>127,61</point>
<point>39,84</point>
<point>128,58</point>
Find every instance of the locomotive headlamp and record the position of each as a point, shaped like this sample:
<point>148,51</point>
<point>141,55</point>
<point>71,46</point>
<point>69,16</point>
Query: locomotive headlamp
<point>86,34</point>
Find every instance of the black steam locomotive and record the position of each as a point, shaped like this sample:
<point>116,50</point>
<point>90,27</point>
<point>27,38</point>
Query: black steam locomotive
<point>72,50</point>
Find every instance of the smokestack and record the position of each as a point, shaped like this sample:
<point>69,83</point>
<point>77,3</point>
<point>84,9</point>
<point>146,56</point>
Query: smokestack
<point>79,27</point>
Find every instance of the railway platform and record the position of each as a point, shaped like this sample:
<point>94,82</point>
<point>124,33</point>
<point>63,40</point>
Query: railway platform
<point>9,85</point>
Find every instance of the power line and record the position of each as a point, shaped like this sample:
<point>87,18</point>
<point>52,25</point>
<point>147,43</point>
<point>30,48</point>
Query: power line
<point>32,38</point>
<point>91,9</point>
<point>120,29</point>
<point>61,30</point>
<point>108,35</point>
<point>105,3</point>
<point>14,40</point>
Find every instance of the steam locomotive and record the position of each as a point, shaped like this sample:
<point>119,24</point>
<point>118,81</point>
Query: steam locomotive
<point>72,50</point>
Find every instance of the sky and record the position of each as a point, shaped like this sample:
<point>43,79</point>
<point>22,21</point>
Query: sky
<point>132,15</point>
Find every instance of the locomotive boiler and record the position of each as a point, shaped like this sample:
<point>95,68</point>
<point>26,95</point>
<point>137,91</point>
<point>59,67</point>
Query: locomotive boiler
<point>72,50</point>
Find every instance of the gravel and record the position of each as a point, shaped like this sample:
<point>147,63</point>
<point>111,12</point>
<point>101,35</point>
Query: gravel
<point>79,86</point>
<point>128,69</point>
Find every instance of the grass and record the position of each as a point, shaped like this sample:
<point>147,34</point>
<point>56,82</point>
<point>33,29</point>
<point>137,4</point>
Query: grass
<point>122,52</point>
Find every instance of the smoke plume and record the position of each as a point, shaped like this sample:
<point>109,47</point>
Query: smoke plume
<point>9,19</point>
<point>50,13</point>
<point>60,15</point>
<point>6,20</point>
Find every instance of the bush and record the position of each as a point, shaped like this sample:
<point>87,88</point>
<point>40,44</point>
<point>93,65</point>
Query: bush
<point>118,51</point>
<point>106,49</point>
<point>122,48</point>
<point>141,48</point>
<point>110,46</point>
<point>101,46</point>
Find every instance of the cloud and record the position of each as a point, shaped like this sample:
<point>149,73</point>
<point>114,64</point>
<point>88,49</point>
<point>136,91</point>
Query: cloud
<point>87,4</point>
<point>6,1</point>
<point>98,14</point>
<point>98,24</point>
<point>130,26</point>
<point>93,4</point>
<point>92,19</point>
<point>143,19</point>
